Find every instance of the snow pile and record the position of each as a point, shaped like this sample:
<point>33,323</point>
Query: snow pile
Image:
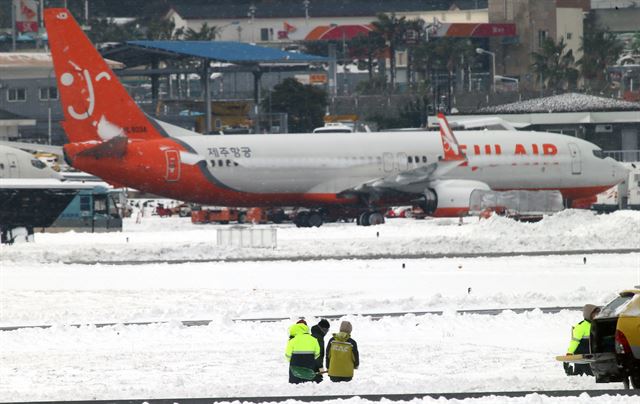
<point>570,102</point>
<point>178,239</point>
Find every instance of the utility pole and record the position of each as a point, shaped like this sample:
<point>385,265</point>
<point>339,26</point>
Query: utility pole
<point>13,26</point>
<point>306,11</point>
<point>252,16</point>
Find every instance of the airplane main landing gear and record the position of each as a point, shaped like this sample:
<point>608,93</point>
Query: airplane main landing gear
<point>310,218</point>
<point>371,218</point>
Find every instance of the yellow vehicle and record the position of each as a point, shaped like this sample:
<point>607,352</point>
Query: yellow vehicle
<point>615,341</point>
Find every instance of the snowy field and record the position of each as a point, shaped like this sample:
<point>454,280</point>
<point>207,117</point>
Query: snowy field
<point>409,354</point>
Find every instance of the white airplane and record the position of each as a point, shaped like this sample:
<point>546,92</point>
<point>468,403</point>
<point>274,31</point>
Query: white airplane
<point>15,163</point>
<point>333,174</point>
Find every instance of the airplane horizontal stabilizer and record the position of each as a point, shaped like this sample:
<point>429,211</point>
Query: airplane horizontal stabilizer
<point>115,147</point>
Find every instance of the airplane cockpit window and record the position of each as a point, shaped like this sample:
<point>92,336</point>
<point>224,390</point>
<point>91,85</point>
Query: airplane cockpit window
<point>38,164</point>
<point>599,153</point>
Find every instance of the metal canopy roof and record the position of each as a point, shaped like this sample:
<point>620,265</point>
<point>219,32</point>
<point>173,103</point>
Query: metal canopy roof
<point>221,51</point>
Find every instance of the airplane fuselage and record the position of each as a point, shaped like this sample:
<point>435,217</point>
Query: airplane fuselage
<point>313,169</point>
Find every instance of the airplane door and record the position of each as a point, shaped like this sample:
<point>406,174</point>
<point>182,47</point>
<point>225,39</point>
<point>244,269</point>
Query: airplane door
<point>402,162</point>
<point>173,165</point>
<point>387,159</point>
<point>14,169</point>
<point>576,161</point>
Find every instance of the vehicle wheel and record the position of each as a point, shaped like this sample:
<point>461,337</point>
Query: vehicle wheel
<point>302,219</point>
<point>635,380</point>
<point>242,218</point>
<point>363,219</point>
<point>375,219</point>
<point>315,219</point>
<point>278,217</point>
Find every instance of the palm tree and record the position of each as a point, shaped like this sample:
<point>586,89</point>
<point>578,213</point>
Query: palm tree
<point>392,30</point>
<point>554,65</point>
<point>365,49</point>
<point>600,48</point>
<point>206,33</point>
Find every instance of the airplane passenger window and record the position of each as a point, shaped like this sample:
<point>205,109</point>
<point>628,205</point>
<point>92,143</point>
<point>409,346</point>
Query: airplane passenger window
<point>213,163</point>
<point>424,159</point>
<point>1,166</point>
<point>221,163</point>
<point>409,159</point>
<point>228,163</point>
<point>417,159</point>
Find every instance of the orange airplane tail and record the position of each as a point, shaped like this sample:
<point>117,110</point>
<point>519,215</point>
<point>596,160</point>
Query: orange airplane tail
<point>449,142</point>
<point>96,106</point>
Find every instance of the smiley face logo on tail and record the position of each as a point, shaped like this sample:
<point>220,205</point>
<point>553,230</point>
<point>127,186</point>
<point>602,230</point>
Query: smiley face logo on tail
<point>68,79</point>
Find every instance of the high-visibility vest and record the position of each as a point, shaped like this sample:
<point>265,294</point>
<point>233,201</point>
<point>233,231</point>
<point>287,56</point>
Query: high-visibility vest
<point>580,338</point>
<point>342,360</point>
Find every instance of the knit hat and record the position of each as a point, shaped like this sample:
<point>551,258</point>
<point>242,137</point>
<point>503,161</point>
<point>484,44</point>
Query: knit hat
<point>301,321</point>
<point>588,311</point>
<point>324,324</point>
<point>345,326</point>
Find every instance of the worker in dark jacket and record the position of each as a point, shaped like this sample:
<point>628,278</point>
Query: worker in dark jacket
<point>302,352</point>
<point>580,342</point>
<point>319,331</point>
<point>342,354</point>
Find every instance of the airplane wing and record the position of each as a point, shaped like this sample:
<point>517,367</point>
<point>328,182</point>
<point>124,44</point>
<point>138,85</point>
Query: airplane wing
<point>423,175</point>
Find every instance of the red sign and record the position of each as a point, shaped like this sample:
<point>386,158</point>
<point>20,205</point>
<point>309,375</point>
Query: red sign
<point>476,30</point>
<point>26,15</point>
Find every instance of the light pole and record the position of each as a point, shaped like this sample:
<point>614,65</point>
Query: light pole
<point>252,16</point>
<point>306,11</point>
<point>480,51</point>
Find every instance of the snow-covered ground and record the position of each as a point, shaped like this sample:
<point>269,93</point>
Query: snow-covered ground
<point>409,354</point>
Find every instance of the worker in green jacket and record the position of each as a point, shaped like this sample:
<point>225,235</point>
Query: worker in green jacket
<point>302,352</point>
<point>580,342</point>
<point>342,354</point>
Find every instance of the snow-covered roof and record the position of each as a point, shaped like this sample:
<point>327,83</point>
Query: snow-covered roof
<point>570,102</point>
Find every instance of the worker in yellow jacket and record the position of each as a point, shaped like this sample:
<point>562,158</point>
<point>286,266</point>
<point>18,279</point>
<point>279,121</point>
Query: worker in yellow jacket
<point>342,354</point>
<point>302,352</point>
<point>579,343</point>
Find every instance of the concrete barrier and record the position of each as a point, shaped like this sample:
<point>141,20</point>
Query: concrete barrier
<point>247,236</point>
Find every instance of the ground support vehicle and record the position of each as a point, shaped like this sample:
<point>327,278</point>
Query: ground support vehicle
<point>615,341</point>
<point>218,215</point>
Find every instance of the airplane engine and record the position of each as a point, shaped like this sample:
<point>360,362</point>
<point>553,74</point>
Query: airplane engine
<point>449,198</point>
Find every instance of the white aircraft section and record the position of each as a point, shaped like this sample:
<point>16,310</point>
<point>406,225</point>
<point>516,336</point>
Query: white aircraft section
<point>428,353</point>
<point>16,163</point>
<point>336,162</point>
